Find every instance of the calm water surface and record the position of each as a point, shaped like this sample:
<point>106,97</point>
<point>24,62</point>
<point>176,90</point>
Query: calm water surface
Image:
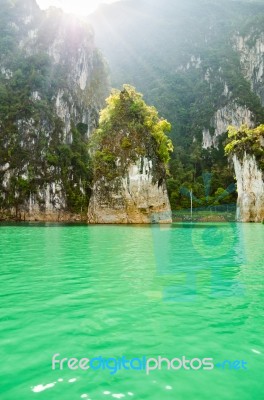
<point>134,291</point>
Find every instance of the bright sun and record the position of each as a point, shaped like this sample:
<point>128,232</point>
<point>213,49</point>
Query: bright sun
<point>80,7</point>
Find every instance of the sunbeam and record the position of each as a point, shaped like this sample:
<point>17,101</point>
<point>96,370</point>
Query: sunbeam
<point>78,7</point>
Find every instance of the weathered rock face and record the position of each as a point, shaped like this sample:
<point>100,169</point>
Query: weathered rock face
<point>134,198</point>
<point>48,205</point>
<point>250,187</point>
<point>53,80</point>
<point>234,115</point>
<point>251,50</point>
<point>250,184</point>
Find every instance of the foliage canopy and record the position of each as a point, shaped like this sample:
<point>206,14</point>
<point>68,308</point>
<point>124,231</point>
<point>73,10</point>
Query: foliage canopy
<point>129,129</point>
<point>245,140</point>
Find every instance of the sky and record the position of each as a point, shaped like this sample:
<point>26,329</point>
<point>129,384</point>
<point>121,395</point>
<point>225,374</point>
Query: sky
<point>79,7</point>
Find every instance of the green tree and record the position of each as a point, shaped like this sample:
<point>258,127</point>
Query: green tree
<point>128,128</point>
<point>245,140</point>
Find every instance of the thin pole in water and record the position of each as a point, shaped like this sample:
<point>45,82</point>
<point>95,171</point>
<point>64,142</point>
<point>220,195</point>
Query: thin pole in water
<point>191,195</point>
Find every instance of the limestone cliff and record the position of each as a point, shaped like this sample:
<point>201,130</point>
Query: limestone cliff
<point>233,114</point>
<point>133,198</point>
<point>130,150</point>
<point>246,148</point>
<point>250,188</point>
<point>249,175</point>
<point>251,50</point>
<point>53,84</point>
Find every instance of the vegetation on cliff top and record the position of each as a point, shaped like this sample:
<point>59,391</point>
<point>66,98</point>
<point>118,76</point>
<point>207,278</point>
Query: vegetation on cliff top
<point>128,129</point>
<point>246,141</point>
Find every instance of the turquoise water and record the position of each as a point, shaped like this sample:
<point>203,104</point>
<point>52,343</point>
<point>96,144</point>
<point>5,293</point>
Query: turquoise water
<point>112,291</point>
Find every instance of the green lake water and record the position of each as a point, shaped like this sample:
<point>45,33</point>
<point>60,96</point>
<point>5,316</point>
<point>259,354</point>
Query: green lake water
<point>193,290</point>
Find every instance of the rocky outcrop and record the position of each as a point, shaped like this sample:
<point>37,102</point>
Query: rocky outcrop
<point>250,178</point>
<point>234,115</point>
<point>130,150</point>
<point>250,188</point>
<point>251,50</point>
<point>48,205</point>
<point>133,198</point>
<point>54,82</point>
<point>69,43</point>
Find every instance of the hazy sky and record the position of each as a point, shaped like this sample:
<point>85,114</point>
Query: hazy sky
<point>81,7</point>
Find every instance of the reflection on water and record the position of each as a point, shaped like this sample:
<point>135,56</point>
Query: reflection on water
<point>87,291</point>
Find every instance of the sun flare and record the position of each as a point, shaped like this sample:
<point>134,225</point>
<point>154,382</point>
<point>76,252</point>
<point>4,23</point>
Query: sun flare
<point>79,7</point>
